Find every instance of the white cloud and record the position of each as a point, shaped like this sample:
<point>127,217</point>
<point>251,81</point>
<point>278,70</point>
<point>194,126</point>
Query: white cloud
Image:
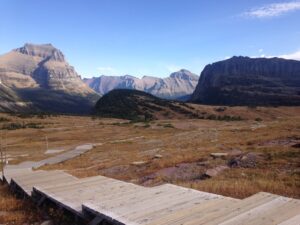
<point>293,55</point>
<point>260,50</point>
<point>107,70</point>
<point>173,68</point>
<point>273,10</point>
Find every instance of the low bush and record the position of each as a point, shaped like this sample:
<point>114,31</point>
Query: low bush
<point>4,119</point>
<point>13,126</point>
<point>168,125</point>
<point>223,118</point>
<point>16,126</point>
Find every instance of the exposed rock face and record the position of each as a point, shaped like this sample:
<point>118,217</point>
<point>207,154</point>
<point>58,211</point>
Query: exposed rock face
<point>178,85</point>
<point>37,68</point>
<point>249,81</point>
<point>40,66</point>
<point>46,51</point>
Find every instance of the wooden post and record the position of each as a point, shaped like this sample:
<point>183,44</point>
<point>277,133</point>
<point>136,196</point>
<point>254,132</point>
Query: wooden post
<point>2,157</point>
<point>46,139</point>
<point>5,149</point>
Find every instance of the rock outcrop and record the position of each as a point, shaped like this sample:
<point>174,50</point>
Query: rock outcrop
<point>40,75</point>
<point>176,86</point>
<point>249,81</point>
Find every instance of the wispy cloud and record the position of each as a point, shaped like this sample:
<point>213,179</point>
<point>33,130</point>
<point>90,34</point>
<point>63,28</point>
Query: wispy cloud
<point>173,68</point>
<point>107,70</point>
<point>273,10</point>
<point>293,55</point>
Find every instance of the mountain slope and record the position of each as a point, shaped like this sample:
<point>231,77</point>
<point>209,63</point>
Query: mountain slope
<point>139,105</point>
<point>179,84</point>
<point>249,81</point>
<point>11,102</point>
<point>43,70</point>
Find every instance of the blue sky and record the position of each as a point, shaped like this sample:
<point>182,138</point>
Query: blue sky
<point>152,37</point>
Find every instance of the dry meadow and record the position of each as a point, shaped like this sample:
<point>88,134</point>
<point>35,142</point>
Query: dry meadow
<point>177,151</point>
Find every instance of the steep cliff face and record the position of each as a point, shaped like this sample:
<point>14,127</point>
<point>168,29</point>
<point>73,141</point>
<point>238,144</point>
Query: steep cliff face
<point>41,68</point>
<point>249,81</point>
<point>45,51</point>
<point>179,84</point>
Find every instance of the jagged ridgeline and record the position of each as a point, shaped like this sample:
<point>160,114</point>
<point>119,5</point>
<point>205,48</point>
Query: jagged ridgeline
<point>38,78</point>
<point>179,85</point>
<point>249,81</point>
<point>139,105</point>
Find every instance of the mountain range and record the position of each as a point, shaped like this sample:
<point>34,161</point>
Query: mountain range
<point>179,85</point>
<point>249,81</point>
<point>38,77</point>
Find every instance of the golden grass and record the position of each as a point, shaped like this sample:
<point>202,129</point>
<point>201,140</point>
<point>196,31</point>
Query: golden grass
<point>241,183</point>
<point>16,211</point>
<point>180,141</point>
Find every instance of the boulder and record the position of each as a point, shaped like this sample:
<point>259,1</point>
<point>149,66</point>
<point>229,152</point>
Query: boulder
<point>139,163</point>
<point>219,155</point>
<point>248,160</point>
<point>158,156</point>
<point>215,171</point>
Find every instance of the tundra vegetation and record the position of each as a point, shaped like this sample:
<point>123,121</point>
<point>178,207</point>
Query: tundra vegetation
<point>258,152</point>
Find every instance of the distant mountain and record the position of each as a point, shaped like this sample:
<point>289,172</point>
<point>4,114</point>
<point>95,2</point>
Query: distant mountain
<point>179,84</point>
<point>139,105</point>
<point>40,77</point>
<point>249,81</point>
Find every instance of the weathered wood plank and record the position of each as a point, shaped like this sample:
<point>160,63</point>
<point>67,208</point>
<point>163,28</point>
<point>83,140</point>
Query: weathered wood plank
<point>41,178</point>
<point>126,203</point>
<point>292,221</point>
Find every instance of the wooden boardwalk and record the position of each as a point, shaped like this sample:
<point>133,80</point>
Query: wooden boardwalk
<point>77,151</point>
<point>97,199</point>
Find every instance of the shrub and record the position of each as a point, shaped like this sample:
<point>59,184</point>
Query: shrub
<point>220,109</point>
<point>34,125</point>
<point>13,126</point>
<point>147,125</point>
<point>211,117</point>
<point>168,125</point>
<point>4,119</point>
<point>224,117</point>
<point>167,113</point>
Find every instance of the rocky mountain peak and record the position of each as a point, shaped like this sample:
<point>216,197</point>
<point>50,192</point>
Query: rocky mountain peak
<point>184,74</point>
<point>177,85</point>
<point>40,76</point>
<point>129,77</point>
<point>45,51</point>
